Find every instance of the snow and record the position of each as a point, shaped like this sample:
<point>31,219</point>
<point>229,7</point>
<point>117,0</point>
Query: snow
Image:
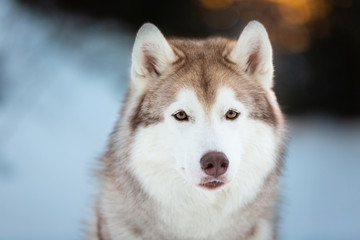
<point>62,82</point>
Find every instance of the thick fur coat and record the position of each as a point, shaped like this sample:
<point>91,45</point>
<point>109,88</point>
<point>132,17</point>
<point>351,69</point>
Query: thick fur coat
<point>188,99</point>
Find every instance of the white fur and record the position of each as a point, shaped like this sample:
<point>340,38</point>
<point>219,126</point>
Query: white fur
<point>166,159</point>
<point>254,40</point>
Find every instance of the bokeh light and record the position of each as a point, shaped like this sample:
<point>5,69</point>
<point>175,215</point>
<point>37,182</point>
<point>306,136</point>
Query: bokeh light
<point>291,24</point>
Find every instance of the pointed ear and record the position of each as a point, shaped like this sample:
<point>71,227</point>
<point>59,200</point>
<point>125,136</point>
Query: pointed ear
<point>151,53</point>
<point>253,54</point>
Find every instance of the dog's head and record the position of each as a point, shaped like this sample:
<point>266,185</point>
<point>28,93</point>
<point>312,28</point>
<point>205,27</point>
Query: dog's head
<point>203,111</point>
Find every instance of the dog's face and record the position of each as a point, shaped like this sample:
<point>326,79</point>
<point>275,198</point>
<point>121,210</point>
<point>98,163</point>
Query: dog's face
<point>207,141</point>
<point>202,111</point>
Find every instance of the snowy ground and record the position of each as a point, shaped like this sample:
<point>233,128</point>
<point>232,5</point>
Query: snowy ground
<point>61,87</point>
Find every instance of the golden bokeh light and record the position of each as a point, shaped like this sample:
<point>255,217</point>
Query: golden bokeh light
<point>290,22</point>
<point>301,11</point>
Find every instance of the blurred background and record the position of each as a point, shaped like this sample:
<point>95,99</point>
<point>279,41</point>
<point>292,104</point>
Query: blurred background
<point>64,67</point>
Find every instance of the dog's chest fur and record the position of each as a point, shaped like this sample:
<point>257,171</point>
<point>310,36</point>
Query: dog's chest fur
<point>183,221</point>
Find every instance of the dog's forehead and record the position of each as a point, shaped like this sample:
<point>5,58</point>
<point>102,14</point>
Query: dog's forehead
<point>204,68</point>
<point>187,98</point>
<point>194,97</point>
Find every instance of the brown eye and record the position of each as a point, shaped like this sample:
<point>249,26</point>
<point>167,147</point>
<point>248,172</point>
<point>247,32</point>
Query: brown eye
<point>181,116</point>
<point>231,115</point>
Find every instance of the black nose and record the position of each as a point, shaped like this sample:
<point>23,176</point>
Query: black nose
<point>214,163</point>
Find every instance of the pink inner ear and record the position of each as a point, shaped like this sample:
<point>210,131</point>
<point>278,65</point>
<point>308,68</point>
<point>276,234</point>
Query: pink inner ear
<point>253,61</point>
<point>150,61</point>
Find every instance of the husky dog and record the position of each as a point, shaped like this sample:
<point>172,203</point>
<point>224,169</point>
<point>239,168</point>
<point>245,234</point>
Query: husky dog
<point>198,149</point>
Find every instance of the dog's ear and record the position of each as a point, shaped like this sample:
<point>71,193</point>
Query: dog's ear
<point>151,53</point>
<point>253,54</point>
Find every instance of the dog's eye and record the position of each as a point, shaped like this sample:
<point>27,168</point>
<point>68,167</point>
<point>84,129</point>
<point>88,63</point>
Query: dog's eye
<point>231,114</point>
<point>181,116</point>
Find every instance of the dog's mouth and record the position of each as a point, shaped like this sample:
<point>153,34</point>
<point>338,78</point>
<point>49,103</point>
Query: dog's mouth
<point>212,185</point>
